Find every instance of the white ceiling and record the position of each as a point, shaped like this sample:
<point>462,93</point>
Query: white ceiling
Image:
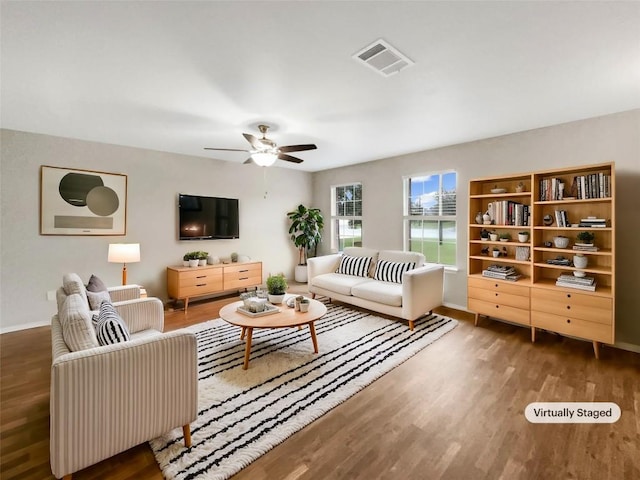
<point>179,76</point>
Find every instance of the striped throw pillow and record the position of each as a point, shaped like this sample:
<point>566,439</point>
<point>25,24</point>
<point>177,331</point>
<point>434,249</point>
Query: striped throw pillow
<point>387,271</point>
<point>110,328</point>
<point>357,266</point>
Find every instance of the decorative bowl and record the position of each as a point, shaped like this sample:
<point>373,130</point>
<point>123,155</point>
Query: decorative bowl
<point>498,190</point>
<point>561,242</point>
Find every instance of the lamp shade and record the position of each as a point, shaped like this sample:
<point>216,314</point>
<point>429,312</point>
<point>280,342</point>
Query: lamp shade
<point>124,252</point>
<point>264,159</point>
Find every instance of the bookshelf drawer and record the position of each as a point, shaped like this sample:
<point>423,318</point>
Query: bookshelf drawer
<point>497,310</point>
<point>576,305</point>
<point>499,286</point>
<point>572,326</point>
<point>499,297</point>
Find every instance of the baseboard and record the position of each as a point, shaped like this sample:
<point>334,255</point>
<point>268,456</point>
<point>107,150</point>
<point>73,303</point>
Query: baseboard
<point>627,346</point>
<point>455,307</point>
<point>24,326</point>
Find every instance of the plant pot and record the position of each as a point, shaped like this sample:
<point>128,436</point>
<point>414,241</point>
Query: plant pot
<point>202,262</point>
<point>580,261</point>
<point>185,263</point>
<point>276,299</point>
<point>301,274</point>
<point>304,307</point>
<point>561,242</point>
<point>493,237</point>
<point>523,238</point>
<point>194,263</point>
<point>495,253</point>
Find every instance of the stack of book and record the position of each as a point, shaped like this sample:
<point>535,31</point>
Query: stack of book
<point>501,272</point>
<point>593,222</point>
<point>585,248</point>
<point>571,281</point>
<point>559,260</point>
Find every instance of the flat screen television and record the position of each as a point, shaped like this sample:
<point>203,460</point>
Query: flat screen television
<point>203,218</point>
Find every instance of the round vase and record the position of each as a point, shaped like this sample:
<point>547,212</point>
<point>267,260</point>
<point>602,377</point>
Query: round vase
<point>580,261</point>
<point>523,238</point>
<point>300,274</point>
<point>479,218</point>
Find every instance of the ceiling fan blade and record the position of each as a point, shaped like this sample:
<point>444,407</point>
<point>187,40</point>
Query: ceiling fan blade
<point>297,148</point>
<point>248,160</point>
<point>254,141</point>
<point>226,149</point>
<point>289,158</point>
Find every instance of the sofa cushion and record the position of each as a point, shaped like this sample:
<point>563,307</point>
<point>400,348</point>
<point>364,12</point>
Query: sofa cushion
<point>72,283</point>
<point>96,299</point>
<point>337,282</point>
<point>379,292</point>
<point>96,285</point>
<point>402,256</point>
<point>110,327</point>
<point>387,271</point>
<point>358,266</point>
<point>363,252</point>
<point>75,320</point>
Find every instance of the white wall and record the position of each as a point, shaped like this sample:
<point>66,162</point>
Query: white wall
<point>33,264</point>
<point>610,138</point>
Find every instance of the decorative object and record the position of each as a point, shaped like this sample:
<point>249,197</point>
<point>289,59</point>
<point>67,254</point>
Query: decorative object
<point>304,305</point>
<point>522,254</point>
<point>496,252</point>
<point>479,218</point>
<point>193,258</point>
<point>276,287</point>
<point>580,261</point>
<point>202,258</point>
<point>520,187</point>
<point>234,257</point>
<point>493,236</point>
<point>211,260</point>
<point>484,251</point>
<point>258,309</point>
<point>579,273</point>
<point>561,241</point>
<point>486,219</point>
<point>547,220</point>
<point>82,202</point>
<point>505,237</point>
<point>548,244</point>
<point>523,237</point>
<point>124,253</point>
<point>305,233</point>
<point>484,235</point>
<point>498,190</point>
<point>585,238</point>
<point>185,260</point>
<point>244,414</point>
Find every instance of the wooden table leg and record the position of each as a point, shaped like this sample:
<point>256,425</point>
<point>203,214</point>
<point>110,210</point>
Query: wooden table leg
<point>247,348</point>
<point>312,330</point>
<point>244,330</point>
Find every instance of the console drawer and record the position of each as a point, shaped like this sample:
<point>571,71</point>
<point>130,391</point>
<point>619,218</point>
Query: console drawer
<point>497,310</point>
<point>498,286</point>
<point>574,305</point>
<point>499,297</point>
<point>573,326</point>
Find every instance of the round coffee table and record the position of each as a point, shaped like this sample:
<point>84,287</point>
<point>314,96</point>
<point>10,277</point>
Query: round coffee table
<point>285,318</point>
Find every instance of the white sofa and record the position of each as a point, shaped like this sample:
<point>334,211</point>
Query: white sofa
<point>109,398</point>
<point>419,293</point>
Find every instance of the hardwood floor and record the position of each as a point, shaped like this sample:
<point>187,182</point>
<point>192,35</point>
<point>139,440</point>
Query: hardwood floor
<point>453,411</point>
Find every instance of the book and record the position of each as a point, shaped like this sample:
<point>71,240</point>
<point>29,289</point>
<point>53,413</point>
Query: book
<point>590,288</point>
<point>585,248</point>
<point>573,279</point>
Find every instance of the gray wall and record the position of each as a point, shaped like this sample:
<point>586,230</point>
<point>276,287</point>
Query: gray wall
<point>33,264</point>
<point>610,138</point>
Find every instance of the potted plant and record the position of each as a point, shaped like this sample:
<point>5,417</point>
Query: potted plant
<point>484,235</point>
<point>505,237</point>
<point>306,233</point>
<point>193,259</point>
<point>185,260</point>
<point>234,257</point>
<point>276,288</point>
<point>523,237</point>
<point>496,252</point>
<point>202,258</point>
<point>585,238</point>
<point>493,236</point>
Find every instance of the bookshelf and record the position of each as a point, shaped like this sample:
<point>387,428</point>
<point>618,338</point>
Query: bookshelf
<point>546,204</point>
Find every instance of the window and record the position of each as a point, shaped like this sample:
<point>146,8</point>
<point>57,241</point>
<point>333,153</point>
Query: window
<point>346,216</point>
<point>430,216</point>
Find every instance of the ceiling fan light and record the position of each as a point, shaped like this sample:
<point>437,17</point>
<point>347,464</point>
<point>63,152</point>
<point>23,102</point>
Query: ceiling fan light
<point>264,159</point>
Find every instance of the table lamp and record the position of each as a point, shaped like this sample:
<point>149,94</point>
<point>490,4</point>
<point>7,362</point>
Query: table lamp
<point>124,253</point>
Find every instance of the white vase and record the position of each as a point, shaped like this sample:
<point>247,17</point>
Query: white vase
<point>194,263</point>
<point>276,299</point>
<point>523,238</point>
<point>300,274</point>
<point>580,261</point>
<point>496,253</point>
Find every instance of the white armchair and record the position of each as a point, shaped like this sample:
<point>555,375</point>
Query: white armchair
<point>107,399</point>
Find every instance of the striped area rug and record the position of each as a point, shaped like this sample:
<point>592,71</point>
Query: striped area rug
<point>244,413</point>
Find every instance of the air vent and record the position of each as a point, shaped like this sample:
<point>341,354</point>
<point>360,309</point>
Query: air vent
<point>383,58</point>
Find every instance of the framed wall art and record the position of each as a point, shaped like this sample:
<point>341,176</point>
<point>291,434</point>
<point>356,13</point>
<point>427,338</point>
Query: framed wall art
<point>82,202</point>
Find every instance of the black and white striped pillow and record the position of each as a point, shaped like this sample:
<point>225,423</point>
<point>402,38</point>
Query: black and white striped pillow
<point>110,328</point>
<point>387,271</point>
<point>357,266</point>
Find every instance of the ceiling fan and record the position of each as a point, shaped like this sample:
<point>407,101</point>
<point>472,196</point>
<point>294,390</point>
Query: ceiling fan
<point>265,152</point>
